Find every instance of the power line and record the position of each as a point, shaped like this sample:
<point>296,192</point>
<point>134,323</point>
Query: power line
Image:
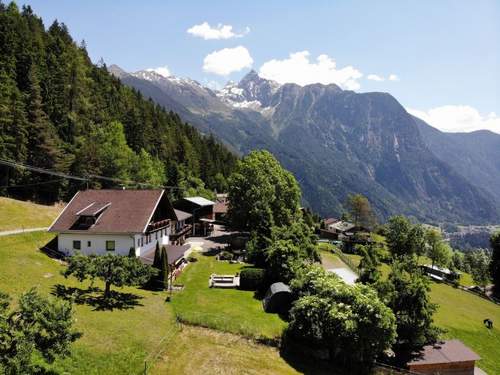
<point>33,184</point>
<point>14,164</point>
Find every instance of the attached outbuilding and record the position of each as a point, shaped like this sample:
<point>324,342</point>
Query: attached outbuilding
<point>278,298</point>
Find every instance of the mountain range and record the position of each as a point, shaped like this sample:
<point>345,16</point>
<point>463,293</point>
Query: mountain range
<point>338,142</point>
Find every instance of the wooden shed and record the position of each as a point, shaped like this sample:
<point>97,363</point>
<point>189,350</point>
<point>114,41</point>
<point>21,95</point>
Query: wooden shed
<point>450,357</point>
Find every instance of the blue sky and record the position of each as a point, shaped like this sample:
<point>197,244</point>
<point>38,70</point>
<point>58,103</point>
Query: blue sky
<point>444,56</point>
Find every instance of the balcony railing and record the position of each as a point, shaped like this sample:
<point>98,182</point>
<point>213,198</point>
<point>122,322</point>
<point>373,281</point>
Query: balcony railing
<point>157,225</point>
<point>186,229</point>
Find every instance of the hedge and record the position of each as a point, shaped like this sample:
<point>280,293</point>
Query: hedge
<point>252,278</point>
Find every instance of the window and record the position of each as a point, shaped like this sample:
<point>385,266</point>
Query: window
<point>89,243</point>
<point>77,245</point>
<point>110,245</point>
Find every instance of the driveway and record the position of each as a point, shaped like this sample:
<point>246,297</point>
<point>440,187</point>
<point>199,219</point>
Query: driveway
<point>219,238</point>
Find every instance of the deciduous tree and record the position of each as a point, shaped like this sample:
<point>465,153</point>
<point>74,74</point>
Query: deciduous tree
<point>350,321</point>
<point>37,327</point>
<point>111,269</point>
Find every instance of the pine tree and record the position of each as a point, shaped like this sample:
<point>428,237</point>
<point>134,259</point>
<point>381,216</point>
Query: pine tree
<point>164,270</point>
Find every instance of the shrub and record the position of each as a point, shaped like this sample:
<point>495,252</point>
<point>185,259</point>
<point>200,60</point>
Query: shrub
<point>225,255</point>
<point>252,278</point>
<point>192,259</point>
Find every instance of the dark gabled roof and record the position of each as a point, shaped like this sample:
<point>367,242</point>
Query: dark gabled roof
<point>118,211</point>
<point>181,215</point>
<point>447,352</point>
<point>176,252</point>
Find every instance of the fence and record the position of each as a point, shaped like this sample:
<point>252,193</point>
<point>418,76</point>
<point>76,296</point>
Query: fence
<point>346,260</point>
<point>153,356</point>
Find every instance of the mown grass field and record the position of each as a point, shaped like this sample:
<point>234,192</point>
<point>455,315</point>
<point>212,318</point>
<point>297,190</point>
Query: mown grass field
<point>118,341</point>
<point>200,351</point>
<point>113,342</point>
<point>229,310</point>
<point>15,214</point>
<point>462,314</point>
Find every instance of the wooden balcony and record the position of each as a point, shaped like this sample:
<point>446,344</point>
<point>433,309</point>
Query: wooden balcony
<point>157,225</point>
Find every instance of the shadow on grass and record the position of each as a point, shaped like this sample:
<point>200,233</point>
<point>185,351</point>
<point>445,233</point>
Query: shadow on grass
<point>94,297</point>
<point>211,252</point>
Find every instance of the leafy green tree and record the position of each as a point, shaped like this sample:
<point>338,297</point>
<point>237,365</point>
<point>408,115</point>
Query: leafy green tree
<point>111,269</point>
<point>283,258</point>
<point>458,261</point>
<point>404,238</point>
<point>262,194</point>
<point>350,321</point>
<point>480,267</point>
<point>438,251</point>
<point>147,169</point>
<point>406,292</point>
<point>369,272</point>
<point>495,263</point>
<point>37,327</point>
<point>360,211</point>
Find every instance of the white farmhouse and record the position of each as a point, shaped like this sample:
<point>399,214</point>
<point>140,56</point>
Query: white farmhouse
<point>115,221</point>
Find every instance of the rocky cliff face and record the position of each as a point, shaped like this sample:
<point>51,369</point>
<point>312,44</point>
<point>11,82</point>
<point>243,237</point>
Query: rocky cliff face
<point>336,142</point>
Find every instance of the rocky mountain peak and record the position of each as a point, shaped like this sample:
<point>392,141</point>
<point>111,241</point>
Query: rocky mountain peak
<point>252,91</point>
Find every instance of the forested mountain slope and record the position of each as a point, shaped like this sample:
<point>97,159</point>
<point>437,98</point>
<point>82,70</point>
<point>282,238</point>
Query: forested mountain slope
<point>60,111</point>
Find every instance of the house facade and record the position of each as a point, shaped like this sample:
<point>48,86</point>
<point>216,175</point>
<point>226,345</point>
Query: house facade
<point>116,221</point>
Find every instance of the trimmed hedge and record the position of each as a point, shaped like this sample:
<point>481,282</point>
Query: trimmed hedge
<point>252,278</point>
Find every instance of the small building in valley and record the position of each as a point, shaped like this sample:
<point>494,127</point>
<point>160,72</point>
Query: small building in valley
<point>450,357</point>
<point>440,274</point>
<point>116,221</point>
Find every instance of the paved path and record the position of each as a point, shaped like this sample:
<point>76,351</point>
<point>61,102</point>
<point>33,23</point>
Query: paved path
<point>19,231</point>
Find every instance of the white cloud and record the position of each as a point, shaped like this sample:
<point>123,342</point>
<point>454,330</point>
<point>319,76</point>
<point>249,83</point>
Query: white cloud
<point>458,118</point>
<point>375,77</point>
<point>205,31</point>
<point>161,70</point>
<point>393,77</point>
<point>300,70</point>
<point>227,61</point>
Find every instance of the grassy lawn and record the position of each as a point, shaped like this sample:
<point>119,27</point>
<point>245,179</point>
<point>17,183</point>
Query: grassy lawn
<point>229,310</point>
<point>331,260</point>
<point>16,214</point>
<point>113,341</point>
<point>462,314</point>
<point>199,351</point>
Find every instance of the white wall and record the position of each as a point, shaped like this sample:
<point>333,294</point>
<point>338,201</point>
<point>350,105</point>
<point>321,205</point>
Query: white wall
<point>123,243</point>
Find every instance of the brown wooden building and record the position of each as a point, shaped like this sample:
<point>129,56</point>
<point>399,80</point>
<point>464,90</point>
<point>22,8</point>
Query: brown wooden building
<point>450,357</point>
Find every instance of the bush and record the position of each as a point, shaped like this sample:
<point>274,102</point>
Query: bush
<point>192,259</point>
<point>225,255</point>
<point>252,278</point>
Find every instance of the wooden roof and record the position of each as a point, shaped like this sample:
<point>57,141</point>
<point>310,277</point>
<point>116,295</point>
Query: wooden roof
<point>446,352</point>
